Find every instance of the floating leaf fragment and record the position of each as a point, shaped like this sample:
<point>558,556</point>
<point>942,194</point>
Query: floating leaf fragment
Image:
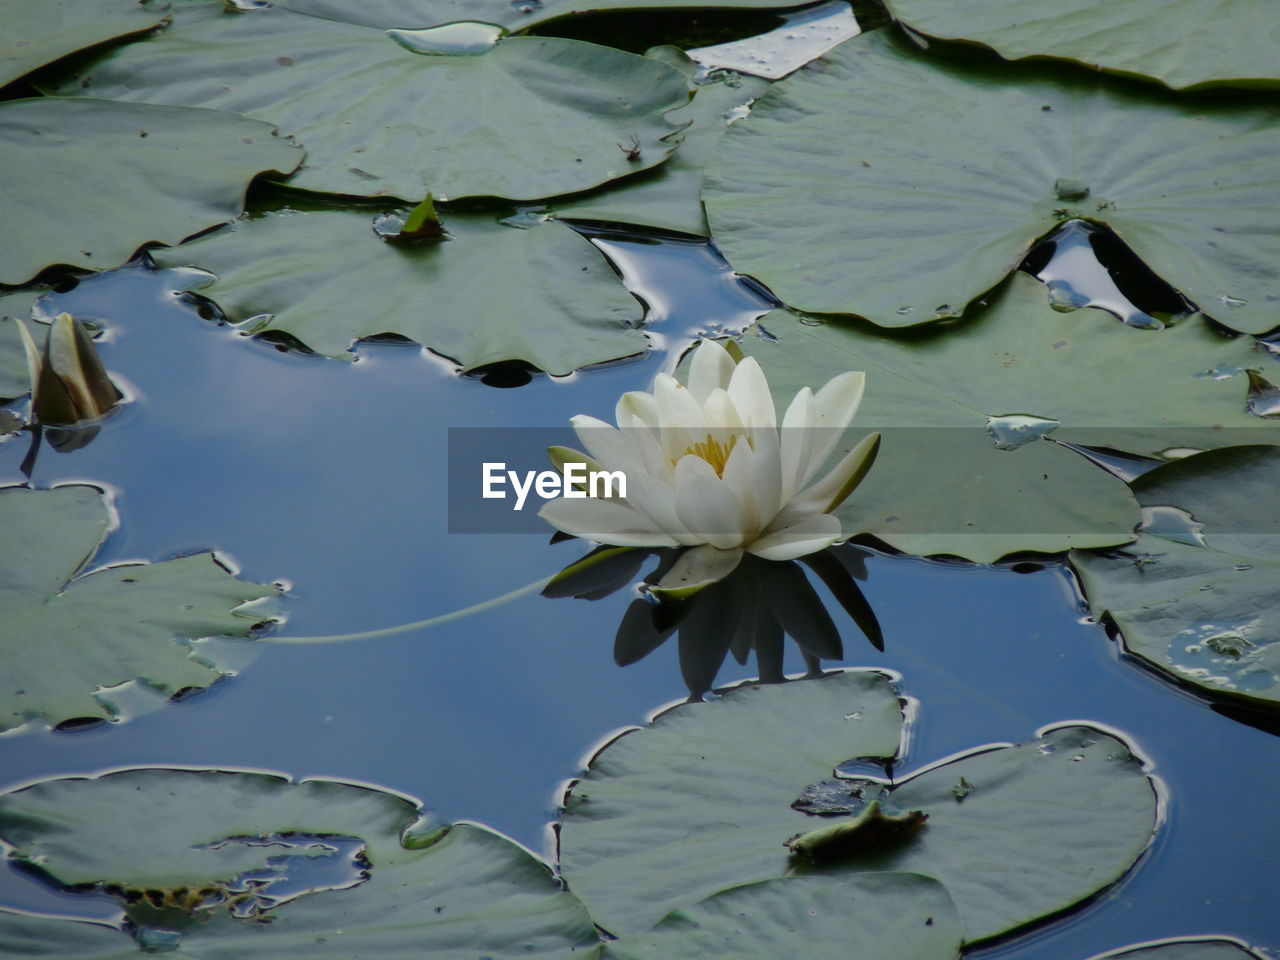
<point>870,832</point>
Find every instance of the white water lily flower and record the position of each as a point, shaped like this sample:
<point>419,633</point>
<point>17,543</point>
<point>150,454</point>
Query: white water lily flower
<point>707,467</point>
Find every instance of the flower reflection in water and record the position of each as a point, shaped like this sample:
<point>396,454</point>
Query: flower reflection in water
<point>753,608</point>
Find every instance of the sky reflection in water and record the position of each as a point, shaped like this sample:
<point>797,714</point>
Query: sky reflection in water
<point>331,476</point>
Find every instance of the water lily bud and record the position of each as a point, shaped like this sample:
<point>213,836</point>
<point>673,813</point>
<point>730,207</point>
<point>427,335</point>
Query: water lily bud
<point>70,385</point>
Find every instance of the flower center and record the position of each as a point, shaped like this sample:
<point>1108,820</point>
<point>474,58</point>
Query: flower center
<point>713,451</point>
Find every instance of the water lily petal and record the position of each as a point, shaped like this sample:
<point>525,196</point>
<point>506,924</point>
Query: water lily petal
<point>655,497</point>
<point>710,369</point>
<point>680,416</point>
<point>696,569</point>
<point>835,405</point>
<point>832,490</point>
<point>605,521</point>
<point>637,409</point>
<point>797,441</point>
<point>740,474</point>
<point>796,534</point>
<point>706,505</point>
<point>768,475</point>
<point>676,406</point>
<point>749,391</point>
<point>610,447</point>
<point>722,414</point>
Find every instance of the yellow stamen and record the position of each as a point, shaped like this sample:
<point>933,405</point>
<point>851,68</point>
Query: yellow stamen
<point>713,451</point>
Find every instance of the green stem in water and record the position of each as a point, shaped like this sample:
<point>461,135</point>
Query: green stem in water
<point>418,624</point>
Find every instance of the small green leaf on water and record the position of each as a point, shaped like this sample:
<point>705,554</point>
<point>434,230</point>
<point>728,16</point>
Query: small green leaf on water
<point>870,832</point>
<point>962,790</point>
<point>422,223</point>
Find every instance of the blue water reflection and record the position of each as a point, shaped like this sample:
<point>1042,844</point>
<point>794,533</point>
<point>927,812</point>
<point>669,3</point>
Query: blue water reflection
<point>331,476</point>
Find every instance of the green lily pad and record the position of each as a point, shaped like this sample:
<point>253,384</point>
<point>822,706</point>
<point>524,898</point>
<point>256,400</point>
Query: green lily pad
<point>700,801</point>
<point>706,798</point>
<point>39,33</point>
<point>517,15</point>
<point>1203,606</point>
<point>669,198</point>
<point>923,181</point>
<point>933,392</point>
<point>414,888</point>
<point>24,935</point>
<point>92,180</point>
<point>75,645</point>
<point>1209,948</point>
<point>1231,492</point>
<point>1021,833</point>
<point>1203,43</point>
<point>327,279</point>
<point>15,377</point>
<point>532,117</point>
<point>879,916</point>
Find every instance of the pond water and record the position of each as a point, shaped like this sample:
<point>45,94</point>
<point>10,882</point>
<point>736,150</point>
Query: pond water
<point>331,478</point>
